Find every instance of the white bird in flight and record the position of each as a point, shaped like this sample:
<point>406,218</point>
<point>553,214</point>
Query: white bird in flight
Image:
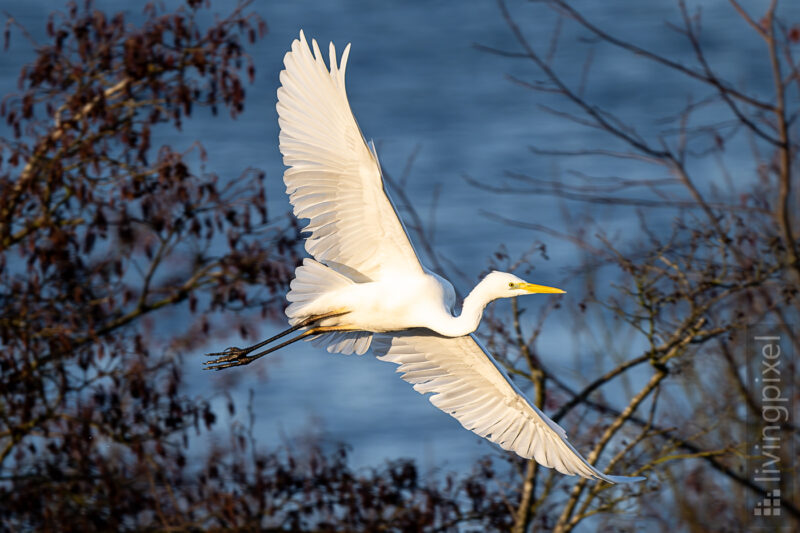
<point>366,287</point>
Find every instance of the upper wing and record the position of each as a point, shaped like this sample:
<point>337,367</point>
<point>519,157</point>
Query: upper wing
<point>334,179</point>
<point>469,385</point>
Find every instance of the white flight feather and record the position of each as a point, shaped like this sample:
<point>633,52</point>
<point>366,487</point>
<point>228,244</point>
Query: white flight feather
<point>334,180</point>
<point>468,384</point>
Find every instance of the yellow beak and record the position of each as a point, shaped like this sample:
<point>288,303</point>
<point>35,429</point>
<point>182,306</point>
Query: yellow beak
<point>538,289</point>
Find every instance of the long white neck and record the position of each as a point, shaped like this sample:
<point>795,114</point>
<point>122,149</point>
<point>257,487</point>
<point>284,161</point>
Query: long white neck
<point>471,313</point>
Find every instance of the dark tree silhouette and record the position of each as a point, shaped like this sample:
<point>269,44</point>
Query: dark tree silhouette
<point>100,227</point>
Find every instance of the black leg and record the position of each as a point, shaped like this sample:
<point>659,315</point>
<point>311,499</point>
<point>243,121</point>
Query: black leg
<point>238,356</point>
<point>239,352</point>
<point>228,359</point>
<point>233,353</point>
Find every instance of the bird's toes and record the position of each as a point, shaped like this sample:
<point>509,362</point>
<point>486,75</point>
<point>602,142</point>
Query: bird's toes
<point>227,362</point>
<point>230,350</point>
<point>231,356</point>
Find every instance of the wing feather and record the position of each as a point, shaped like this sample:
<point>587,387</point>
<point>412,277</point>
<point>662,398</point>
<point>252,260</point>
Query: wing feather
<point>468,384</point>
<point>333,179</point>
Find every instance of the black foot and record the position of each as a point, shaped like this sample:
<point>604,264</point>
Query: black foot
<point>230,357</point>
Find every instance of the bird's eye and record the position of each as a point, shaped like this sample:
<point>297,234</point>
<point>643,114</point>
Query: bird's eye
<point>510,284</point>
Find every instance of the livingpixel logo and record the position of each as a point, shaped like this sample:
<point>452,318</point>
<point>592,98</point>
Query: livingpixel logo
<point>771,443</point>
<point>769,506</point>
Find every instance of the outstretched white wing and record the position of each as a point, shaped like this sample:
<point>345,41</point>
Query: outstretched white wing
<point>469,385</point>
<point>334,179</point>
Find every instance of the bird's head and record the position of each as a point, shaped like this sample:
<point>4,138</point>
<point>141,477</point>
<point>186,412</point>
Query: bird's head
<point>505,285</point>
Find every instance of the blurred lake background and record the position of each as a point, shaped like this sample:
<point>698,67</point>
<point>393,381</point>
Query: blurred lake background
<point>416,81</point>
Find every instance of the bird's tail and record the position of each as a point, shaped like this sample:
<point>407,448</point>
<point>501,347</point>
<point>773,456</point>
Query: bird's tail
<point>313,280</point>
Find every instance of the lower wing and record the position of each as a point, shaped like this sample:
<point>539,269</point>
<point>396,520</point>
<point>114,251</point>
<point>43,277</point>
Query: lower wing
<point>468,384</point>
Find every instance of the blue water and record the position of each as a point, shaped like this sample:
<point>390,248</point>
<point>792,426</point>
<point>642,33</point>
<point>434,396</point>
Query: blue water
<point>416,80</point>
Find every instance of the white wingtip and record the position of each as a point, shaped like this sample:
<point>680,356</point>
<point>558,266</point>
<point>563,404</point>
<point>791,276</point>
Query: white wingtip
<point>317,53</point>
<point>336,71</point>
<point>332,61</point>
<point>343,63</point>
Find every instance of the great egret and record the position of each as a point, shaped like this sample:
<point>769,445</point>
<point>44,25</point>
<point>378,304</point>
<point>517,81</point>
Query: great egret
<point>366,286</point>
